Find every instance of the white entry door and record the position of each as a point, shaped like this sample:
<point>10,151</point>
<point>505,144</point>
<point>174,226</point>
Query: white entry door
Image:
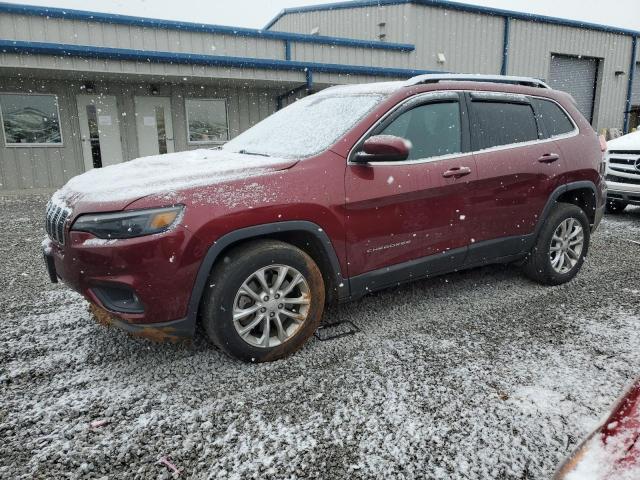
<point>154,126</point>
<point>99,130</point>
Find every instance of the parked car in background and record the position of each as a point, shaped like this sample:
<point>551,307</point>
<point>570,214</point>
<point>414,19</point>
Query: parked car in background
<point>612,452</point>
<point>351,190</point>
<point>623,172</point>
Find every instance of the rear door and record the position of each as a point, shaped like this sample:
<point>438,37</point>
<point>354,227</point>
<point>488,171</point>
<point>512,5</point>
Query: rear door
<point>407,210</point>
<point>517,171</point>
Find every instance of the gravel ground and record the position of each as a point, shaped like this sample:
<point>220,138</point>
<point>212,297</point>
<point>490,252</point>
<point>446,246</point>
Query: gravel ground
<point>475,375</point>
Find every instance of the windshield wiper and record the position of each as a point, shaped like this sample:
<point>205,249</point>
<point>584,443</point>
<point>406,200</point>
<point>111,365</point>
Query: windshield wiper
<point>247,152</point>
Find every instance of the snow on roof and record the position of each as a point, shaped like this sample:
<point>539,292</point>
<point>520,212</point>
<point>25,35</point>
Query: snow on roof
<point>384,88</point>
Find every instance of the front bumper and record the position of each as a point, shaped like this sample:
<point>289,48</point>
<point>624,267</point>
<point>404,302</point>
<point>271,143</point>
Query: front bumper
<point>158,270</point>
<point>172,331</point>
<point>626,192</point>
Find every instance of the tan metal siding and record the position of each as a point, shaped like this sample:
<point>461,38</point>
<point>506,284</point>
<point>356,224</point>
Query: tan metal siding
<point>471,43</point>
<point>41,167</point>
<point>531,46</point>
<point>46,167</point>
<point>145,68</point>
<point>360,22</point>
<point>77,32</point>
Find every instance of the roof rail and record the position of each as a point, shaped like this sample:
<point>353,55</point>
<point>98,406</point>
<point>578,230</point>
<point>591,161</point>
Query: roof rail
<point>464,77</point>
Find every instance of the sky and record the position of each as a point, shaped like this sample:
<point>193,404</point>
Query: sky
<point>256,13</point>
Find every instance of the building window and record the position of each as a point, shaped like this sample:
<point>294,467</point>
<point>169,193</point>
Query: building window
<point>206,120</point>
<point>30,119</point>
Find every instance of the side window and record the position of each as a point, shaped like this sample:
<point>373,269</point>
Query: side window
<point>553,118</point>
<point>501,123</point>
<point>433,129</point>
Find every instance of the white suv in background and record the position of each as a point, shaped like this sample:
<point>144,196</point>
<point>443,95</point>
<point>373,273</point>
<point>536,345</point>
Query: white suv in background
<point>623,172</point>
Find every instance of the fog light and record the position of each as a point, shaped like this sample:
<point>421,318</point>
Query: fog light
<point>119,298</point>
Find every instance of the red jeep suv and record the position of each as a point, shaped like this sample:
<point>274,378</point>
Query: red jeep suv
<point>351,190</point>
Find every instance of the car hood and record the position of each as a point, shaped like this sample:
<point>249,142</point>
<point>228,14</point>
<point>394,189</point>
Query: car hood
<point>114,187</point>
<point>631,141</point>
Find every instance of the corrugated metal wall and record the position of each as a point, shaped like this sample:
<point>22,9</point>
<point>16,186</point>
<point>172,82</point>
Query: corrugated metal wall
<point>473,43</point>
<point>46,167</point>
<point>78,32</point>
<point>635,90</point>
<point>470,42</point>
<point>533,43</point>
<point>42,167</point>
<point>358,22</point>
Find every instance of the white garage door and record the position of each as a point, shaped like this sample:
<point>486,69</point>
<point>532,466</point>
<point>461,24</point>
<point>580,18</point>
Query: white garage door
<point>576,76</point>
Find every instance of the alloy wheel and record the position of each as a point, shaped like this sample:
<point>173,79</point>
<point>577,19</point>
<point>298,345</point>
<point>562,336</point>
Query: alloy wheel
<point>566,246</point>
<point>271,305</point>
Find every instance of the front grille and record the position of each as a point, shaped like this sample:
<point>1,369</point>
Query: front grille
<point>55,221</point>
<point>627,163</point>
<point>617,179</point>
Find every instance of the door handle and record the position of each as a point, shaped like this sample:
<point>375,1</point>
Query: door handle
<point>457,172</point>
<point>549,158</point>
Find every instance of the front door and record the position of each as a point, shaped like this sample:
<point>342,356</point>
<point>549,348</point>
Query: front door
<point>154,126</point>
<point>398,212</point>
<point>99,130</point>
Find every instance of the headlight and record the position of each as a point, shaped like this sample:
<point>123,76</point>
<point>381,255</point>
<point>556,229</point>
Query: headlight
<point>130,224</point>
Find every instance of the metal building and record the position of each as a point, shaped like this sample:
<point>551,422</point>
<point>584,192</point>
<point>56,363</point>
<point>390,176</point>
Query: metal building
<point>595,63</point>
<point>80,89</point>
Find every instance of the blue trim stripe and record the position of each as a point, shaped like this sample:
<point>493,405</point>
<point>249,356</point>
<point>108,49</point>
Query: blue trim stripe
<point>113,18</point>
<point>91,51</point>
<point>505,46</point>
<point>632,72</point>
<point>287,50</point>
<point>454,6</point>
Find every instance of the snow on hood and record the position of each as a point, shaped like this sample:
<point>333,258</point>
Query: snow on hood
<point>164,174</point>
<point>631,141</point>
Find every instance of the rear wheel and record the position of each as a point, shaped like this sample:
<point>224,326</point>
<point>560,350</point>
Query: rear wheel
<point>264,300</point>
<point>561,246</point>
<point>615,206</point>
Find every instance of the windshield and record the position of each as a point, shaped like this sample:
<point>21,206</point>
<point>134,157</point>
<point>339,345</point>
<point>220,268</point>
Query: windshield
<point>306,127</point>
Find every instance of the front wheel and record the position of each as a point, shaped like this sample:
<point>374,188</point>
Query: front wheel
<point>561,246</point>
<point>264,300</point>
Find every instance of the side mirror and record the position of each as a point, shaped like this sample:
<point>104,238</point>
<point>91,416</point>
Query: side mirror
<point>383,148</point>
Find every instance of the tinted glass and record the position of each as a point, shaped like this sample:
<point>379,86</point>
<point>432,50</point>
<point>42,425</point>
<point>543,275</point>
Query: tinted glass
<point>554,119</point>
<point>308,126</point>
<point>499,123</point>
<point>30,119</point>
<point>207,120</point>
<point>432,129</point>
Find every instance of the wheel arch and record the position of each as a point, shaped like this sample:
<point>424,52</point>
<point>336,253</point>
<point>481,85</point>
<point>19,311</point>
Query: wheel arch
<point>307,236</point>
<point>582,195</point>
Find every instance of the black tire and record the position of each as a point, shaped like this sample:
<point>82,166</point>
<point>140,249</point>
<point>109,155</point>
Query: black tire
<point>615,206</point>
<point>538,265</point>
<point>228,276</point>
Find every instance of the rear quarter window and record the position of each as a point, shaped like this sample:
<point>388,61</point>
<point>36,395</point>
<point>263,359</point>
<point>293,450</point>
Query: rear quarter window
<point>496,123</point>
<point>553,118</point>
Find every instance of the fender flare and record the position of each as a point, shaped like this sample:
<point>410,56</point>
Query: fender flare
<point>257,231</point>
<point>553,198</point>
